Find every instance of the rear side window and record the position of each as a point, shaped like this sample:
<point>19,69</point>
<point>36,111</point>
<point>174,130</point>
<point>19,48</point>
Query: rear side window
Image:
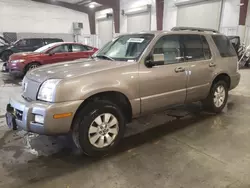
<point>78,48</point>
<point>36,42</point>
<point>224,46</point>
<point>193,47</point>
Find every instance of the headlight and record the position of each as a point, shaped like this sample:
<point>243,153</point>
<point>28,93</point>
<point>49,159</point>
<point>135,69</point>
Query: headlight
<point>47,90</point>
<point>17,61</point>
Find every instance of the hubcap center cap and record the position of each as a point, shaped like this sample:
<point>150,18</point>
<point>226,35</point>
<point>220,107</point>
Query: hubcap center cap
<point>103,129</point>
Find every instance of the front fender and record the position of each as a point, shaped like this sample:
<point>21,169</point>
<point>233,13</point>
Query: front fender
<point>75,91</point>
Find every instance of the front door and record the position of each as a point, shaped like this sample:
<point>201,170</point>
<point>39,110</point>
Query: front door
<point>201,66</point>
<point>58,54</point>
<point>35,44</point>
<point>164,85</point>
<point>23,45</point>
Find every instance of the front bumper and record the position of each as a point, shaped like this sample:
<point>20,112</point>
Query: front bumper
<point>25,115</point>
<point>235,79</point>
<point>15,72</point>
<point>15,69</point>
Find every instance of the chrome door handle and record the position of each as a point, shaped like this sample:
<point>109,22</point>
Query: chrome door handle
<point>212,64</point>
<point>179,69</point>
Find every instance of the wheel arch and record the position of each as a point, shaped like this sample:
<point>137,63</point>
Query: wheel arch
<point>34,61</point>
<point>116,97</point>
<point>222,76</point>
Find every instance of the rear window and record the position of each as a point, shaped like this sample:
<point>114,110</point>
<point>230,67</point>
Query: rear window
<point>224,46</point>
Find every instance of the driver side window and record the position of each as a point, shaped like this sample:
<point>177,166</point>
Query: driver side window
<point>22,42</point>
<point>169,47</point>
<point>60,49</point>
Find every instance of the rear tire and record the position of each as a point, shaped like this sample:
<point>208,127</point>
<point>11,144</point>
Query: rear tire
<point>217,98</point>
<point>98,128</point>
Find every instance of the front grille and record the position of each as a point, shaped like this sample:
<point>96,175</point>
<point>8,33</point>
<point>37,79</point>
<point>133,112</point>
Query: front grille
<point>19,114</point>
<point>30,89</point>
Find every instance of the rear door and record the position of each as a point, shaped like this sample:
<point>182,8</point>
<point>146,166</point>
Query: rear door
<point>34,44</point>
<point>23,45</point>
<point>28,45</point>
<point>57,54</point>
<point>201,66</point>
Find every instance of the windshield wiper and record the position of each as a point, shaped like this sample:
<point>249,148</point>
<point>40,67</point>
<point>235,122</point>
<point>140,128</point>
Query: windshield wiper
<point>105,57</point>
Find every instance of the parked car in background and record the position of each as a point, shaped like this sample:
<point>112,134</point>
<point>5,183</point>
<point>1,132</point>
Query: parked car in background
<point>3,44</point>
<point>131,76</point>
<point>235,40</point>
<point>240,48</point>
<point>26,45</point>
<point>20,63</point>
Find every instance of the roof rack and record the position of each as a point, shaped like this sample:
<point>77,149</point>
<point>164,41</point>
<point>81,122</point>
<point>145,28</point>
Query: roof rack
<point>193,29</point>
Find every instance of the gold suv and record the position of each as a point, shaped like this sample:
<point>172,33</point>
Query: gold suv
<point>132,75</point>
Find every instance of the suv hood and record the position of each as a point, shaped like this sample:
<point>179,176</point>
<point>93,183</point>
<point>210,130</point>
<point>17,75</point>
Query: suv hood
<point>73,69</point>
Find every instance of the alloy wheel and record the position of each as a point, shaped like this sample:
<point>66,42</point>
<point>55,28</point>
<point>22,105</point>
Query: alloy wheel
<point>219,96</point>
<point>33,67</point>
<point>103,130</point>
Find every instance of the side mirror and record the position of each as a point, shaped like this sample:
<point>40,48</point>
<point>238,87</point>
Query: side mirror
<point>154,60</point>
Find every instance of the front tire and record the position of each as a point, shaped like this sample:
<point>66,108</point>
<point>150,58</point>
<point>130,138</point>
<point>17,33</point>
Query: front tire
<point>217,98</point>
<point>98,128</point>
<point>31,66</point>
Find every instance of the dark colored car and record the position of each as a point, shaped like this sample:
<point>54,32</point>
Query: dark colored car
<point>20,63</point>
<point>235,40</point>
<point>26,45</point>
<point>3,44</point>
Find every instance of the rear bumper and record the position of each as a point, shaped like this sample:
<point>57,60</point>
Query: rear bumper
<point>235,79</point>
<point>25,115</point>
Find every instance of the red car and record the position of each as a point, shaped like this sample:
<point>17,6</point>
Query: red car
<point>20,63</point>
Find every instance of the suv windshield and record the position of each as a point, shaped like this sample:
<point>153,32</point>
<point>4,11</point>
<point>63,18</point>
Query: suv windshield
<point>125,47</point>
